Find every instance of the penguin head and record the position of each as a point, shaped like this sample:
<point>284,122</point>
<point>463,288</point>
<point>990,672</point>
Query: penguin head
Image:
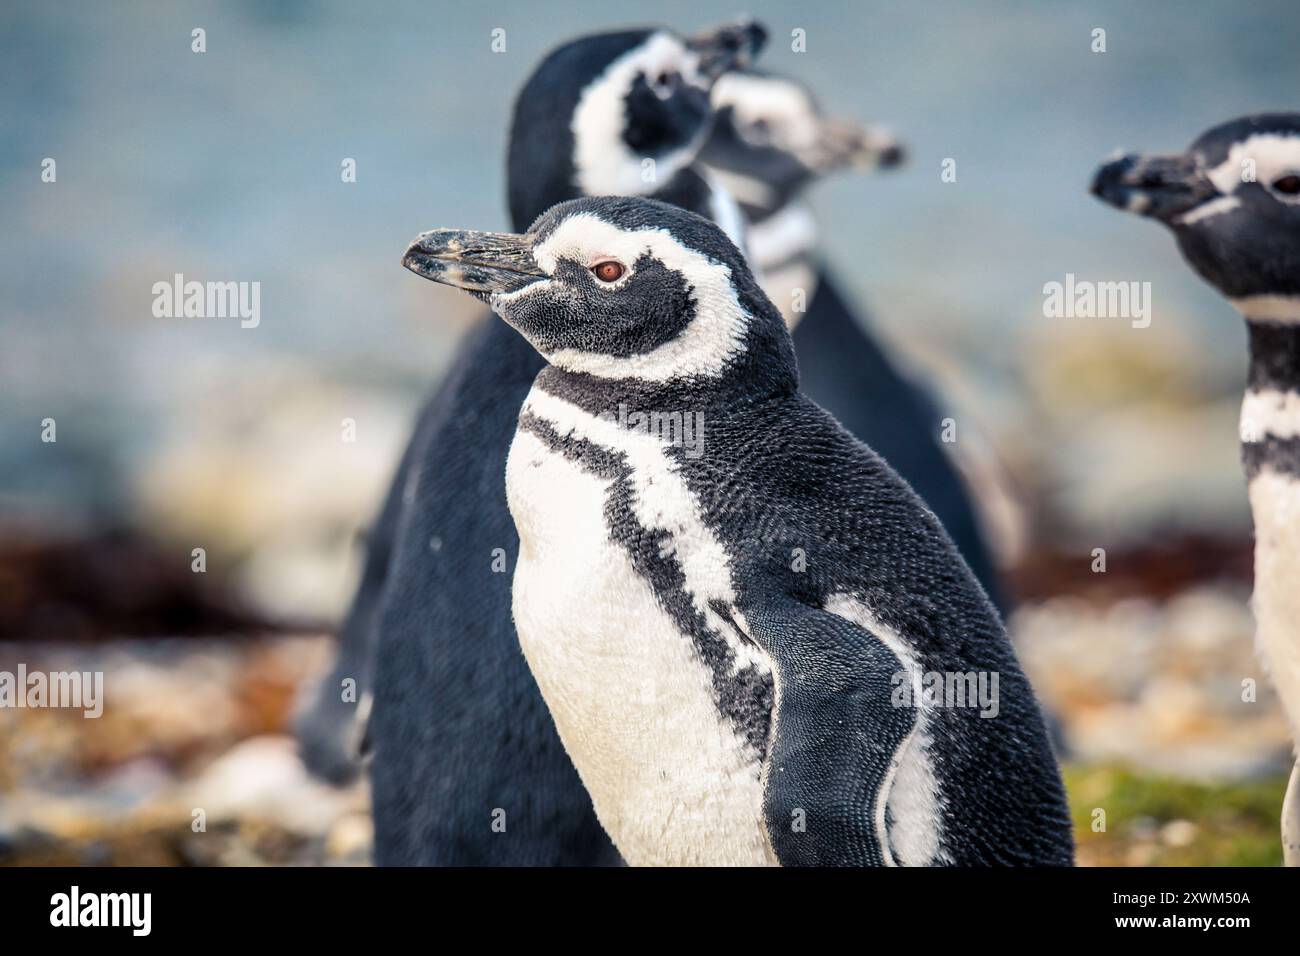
<point>617,113</point>
<point>1233,203</point>
<point>619,288</point>
<point>770,139</point>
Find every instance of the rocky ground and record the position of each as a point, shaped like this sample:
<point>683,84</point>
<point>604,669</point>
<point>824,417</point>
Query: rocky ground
<point>192,762</point>
<point>1177,749</point>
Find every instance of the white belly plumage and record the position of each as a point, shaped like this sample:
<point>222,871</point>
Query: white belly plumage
<point>1275,504</point>
<point>671,779</point>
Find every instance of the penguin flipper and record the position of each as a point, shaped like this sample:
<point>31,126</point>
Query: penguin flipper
<point>835,736</point>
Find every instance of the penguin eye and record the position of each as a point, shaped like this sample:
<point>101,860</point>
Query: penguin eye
<point>665,83</point>
<point>1288,185</point>
<point>608,271</point>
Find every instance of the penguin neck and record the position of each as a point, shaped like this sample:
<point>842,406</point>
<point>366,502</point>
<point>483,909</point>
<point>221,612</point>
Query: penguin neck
<point>782,246</point>
<point>1270,412</point>
<point>1274,355</point>
<point>695,189</point>
<point>752,380</point>
<point>782,235</point>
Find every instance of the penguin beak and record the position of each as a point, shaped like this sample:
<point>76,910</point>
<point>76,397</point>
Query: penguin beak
<point>731,46</point>
<point>843,144</point>
<point>1161,187</point>
<point>481,263</point>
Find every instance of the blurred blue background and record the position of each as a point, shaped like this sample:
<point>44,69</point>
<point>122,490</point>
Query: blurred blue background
<point>225,165</point>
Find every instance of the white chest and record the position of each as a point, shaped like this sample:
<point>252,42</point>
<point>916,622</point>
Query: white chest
<point>1275,505</point>
<point>671,780</point>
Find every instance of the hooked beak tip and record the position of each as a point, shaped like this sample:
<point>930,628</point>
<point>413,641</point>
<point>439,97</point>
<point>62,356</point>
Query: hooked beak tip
<point>419,252</point>
<point>480,263</point>
<point>1108,182</point>
<point>891,156</point>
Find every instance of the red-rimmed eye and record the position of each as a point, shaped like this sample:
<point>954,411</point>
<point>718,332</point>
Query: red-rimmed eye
<point>608,271</point>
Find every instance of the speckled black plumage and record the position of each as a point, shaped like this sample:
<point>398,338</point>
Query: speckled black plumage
<point>845,370</point>
<point>459,727</point>
<point>331,735</point>
<point>780,474</point>
<point>843,364</point>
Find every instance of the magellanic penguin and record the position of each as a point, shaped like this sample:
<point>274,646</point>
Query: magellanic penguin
<point>770,141</point>
<point>1233,203</point>
<point>466,765</point>
<point>757,643</point>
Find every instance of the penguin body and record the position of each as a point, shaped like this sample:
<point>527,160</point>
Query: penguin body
<point>770,141</point>
<point>332,727</point>
<point>1232,201</point>
<point>458,730</point>
<point>847,371</point>
<point>722,637</point>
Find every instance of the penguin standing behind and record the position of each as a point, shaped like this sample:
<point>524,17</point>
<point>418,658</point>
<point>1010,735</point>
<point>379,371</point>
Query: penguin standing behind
<point>770,141</point>
<point>1233,203</point>
<point>733,635</point>
<point>466,765</point>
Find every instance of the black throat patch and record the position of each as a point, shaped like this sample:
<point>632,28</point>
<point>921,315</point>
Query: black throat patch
<point>744,695</point>
<point>1274,367</point>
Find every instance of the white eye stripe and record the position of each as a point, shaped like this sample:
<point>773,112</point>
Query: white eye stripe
<point>707,344</point>
<point>604,165</point>
<point>789,115</point>
<point>665,54</point>
<point>1273,156</point>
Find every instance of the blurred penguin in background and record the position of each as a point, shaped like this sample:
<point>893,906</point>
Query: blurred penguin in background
<point>466,765</point>
<point>771,141</point>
